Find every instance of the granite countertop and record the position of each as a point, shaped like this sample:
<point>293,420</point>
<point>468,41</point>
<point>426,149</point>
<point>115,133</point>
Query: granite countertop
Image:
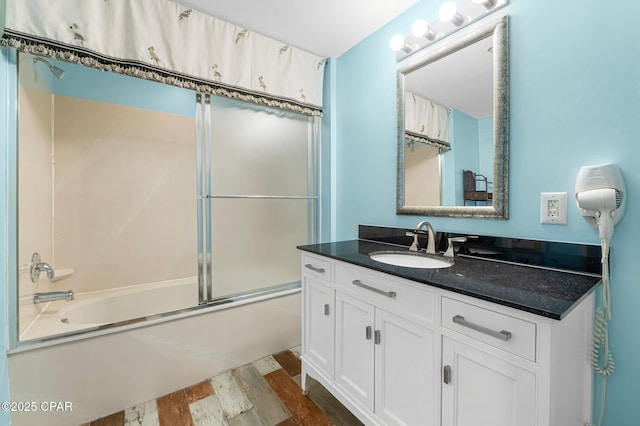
<point>545,292</point>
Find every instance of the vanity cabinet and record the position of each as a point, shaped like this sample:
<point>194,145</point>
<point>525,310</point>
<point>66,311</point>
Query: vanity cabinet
<point>480,388</point>
<point>397,352</point>
<point>384,362</point>
<point>318,324</point>
<point>478,385</point>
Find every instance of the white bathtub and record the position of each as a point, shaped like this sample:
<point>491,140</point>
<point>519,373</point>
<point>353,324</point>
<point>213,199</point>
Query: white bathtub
<point>99,308</point>
<point>105,371</point>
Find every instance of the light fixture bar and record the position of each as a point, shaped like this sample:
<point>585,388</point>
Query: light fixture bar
<point>452,16</point>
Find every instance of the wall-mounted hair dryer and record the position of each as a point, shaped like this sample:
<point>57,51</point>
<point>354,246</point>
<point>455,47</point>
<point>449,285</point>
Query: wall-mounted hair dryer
<point>601,197</point>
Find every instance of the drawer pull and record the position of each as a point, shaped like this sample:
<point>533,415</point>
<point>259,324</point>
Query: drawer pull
<point>314,269</point>
<point>367,332</point>
<point>502,335</point>
<point>326,309</point>
<point>446,374</point>
<point>391,294</point>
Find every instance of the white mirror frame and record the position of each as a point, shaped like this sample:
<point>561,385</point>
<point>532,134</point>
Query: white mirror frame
<point>499,207</point>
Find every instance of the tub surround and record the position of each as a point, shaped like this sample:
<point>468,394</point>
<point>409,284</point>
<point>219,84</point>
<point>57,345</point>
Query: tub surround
<point>551,293</point>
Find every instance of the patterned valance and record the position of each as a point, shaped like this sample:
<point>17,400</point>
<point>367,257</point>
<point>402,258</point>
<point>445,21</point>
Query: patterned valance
<point>163,41</point>
<point>426,119</point>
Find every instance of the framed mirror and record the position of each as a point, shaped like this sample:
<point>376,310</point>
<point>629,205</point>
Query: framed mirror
<point>453,127</point>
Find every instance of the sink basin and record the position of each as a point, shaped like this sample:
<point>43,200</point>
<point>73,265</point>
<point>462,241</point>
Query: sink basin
<point>410,259</point>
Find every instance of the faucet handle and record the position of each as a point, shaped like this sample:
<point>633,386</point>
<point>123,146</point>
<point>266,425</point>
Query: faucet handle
<point>414,246</point>
<point>34,272</point>
<point>449,252</point>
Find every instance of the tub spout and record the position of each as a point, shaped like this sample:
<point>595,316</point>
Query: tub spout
<point>53,295</point>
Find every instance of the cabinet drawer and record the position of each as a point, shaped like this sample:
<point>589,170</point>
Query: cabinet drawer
<point>508,333</point>
<point>413,301</point>
<point>316,267</point>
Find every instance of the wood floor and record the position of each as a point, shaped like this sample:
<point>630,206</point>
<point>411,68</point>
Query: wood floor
<point>264,393</point>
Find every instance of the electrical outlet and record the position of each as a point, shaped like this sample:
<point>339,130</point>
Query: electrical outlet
<point>553,208</point>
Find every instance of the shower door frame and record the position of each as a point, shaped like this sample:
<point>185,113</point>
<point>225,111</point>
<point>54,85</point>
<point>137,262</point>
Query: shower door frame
<point>205,198</point>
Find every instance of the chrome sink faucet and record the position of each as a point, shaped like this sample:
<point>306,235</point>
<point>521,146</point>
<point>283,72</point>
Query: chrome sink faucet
<point>431,244</point>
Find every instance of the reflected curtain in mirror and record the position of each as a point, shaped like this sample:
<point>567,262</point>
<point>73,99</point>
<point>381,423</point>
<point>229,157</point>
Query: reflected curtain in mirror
<point>426,137</point>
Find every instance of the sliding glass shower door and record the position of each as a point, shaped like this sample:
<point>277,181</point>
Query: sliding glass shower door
<point>107,167</point>
<point>257,196</point>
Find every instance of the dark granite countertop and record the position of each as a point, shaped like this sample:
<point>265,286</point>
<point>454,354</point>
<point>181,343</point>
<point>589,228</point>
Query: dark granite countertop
<point>545,292</point>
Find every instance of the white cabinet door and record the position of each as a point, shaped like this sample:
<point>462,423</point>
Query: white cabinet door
<point>354,348</point>
<point>405,363</point>
<point>483,389</point>
<point>318,324</point>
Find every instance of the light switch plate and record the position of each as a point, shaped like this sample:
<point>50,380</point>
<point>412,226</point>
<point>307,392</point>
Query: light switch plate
<point>553,208</point>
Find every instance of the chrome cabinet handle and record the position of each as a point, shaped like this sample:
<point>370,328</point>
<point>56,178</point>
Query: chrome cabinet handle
<point>314,269</point>
<point>367,332</point>
<point>502,335</point>
<point>446,374</point>
<point>326,309</point>
<point>391,294</point>
<point>376,337</point>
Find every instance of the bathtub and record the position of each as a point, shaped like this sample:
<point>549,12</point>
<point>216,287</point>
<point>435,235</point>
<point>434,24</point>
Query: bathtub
<point>102,369</point>
<point>97,309</point>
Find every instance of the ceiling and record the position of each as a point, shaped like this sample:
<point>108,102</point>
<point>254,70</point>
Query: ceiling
<point>326,28</point>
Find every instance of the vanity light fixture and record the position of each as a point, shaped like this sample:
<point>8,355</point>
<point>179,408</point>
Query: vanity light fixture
<point>420,28</point>
<point>449,13</point>
<point>453,16</point>
<point>399,43</point>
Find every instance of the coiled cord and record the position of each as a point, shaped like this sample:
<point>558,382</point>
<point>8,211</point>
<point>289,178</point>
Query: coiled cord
<point>600,349</point>
<point>602,361</point>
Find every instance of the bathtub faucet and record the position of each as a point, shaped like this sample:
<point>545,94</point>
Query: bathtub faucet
<point>53,295</point>
<point>38,266</point>
<point>45,267</point>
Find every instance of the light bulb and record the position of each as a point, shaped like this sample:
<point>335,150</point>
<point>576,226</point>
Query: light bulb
<point>421,29</point>
<point>397,42</point>
<point>449,13</point>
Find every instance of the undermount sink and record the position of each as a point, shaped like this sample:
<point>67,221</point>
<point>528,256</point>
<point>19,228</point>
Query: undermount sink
<point>409,259</point>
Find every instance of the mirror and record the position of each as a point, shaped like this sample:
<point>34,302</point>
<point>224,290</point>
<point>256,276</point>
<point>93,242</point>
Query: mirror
<point>453,127</point>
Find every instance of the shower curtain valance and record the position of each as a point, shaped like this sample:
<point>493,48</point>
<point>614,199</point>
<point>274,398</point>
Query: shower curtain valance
<point>414,137</point>
<point>426,121</point>
<point>163,41</point>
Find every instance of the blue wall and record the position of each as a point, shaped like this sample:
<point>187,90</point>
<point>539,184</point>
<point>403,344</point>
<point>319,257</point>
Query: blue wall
<point>464,147</point>
<point>575,100</point>
<point>485,146</point>
<point>90,83</point>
